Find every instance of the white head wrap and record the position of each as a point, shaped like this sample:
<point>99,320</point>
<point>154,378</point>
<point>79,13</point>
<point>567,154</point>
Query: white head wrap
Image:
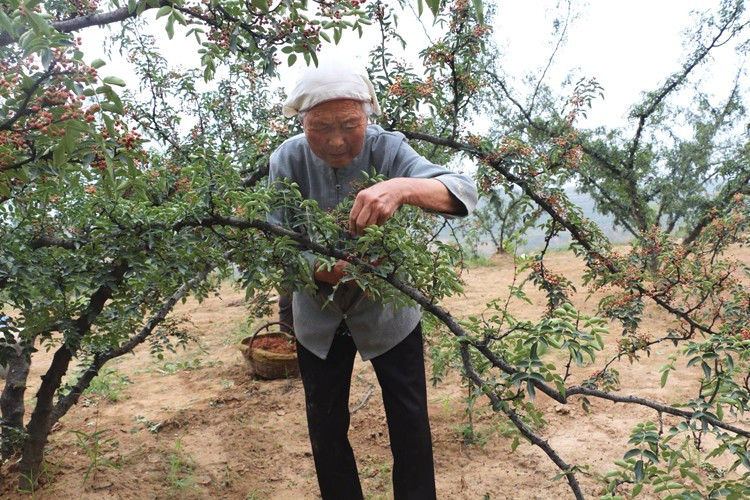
<point>326,83</point>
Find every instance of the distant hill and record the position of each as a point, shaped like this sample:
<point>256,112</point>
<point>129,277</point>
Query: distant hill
<point>535,239</point>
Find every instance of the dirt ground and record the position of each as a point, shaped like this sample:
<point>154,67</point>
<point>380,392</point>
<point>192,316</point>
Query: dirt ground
<point>198,425</point>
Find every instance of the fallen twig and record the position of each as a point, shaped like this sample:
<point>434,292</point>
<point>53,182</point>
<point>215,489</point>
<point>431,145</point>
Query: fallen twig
<point>363,402</point>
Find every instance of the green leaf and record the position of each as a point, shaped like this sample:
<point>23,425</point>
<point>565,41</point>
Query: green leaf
<point>730,363</point>
<point>530,389</point>
<point>650,455</point>
<point>131,6</point>
<point>38,22</point>
<point>164,11</point>
<point>179,17</point>
<point>664,377</point>
<point>110,124</point>
<point>692,475</point>
<point>97,63</point>
<point>632,453</point>
<point>78,126</point>
<point>122,186</point>
<point>514,444</point>
<point>560,387</point>
<point>58,155</point>
<point>69,139</point>
<point>46,56</point>
<point>586,404</point>
<point>291,59</point>
<point>638,471</point>
<point>478,10</point>
<point>636,490</point>
<point>260,4</point>
<point>170,27</point>
<point>434,6</point>
<point>113,80</point>
<point>6,24</point>
<point>108,106</point>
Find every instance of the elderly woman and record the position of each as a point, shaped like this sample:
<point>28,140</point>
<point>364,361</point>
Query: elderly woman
<point>337,148</point>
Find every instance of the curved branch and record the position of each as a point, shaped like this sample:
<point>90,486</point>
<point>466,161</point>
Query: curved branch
<point>724,200</point>
<point>256,176</point>
<point>444,316</point>
<point>40,423</point>
<point>662,408</point>
<point>679,78</point>
<point>575,232</point>
<point>550,60</point>
<point>521,426</point>
<point>430,306</point>
<point>50,241</point>
<point>81,22</point>
<point>64,403</point>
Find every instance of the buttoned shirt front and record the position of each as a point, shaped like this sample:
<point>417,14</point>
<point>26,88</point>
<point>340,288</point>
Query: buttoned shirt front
<point>375,327</point>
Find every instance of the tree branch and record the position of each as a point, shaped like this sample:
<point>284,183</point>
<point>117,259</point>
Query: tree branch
<point>64,403</point>
<point>444,316</point>
<point>81,22</point>
<point>710,216</point>
<point>575,232</point>
<point>521,426</point>
<point>676,80</point>
<point>40,422</point>
<point>50,241</point>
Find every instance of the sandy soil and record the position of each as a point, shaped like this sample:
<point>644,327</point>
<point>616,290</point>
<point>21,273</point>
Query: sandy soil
<point>198,425</point>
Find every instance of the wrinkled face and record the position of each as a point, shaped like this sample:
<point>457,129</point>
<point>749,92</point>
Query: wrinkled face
<point>335,131</point>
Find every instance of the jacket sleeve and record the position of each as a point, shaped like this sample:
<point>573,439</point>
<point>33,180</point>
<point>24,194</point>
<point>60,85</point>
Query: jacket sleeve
<point>409,163</point>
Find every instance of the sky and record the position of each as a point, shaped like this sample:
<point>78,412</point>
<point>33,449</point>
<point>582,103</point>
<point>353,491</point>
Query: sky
<point>630,47</point>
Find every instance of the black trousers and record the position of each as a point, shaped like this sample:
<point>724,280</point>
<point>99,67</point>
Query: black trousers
<point>401,376</point>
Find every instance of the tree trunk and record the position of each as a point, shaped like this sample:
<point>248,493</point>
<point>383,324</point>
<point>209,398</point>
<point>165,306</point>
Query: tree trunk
<point>12,406</point>
<point>42,419</point>
<point>40,423</point>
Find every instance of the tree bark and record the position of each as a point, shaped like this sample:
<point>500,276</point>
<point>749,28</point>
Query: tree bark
<point>41,420</point>
<point>64,404</point>
<point>81,22</point>
<point>12,405</point>
<point>40,424</point>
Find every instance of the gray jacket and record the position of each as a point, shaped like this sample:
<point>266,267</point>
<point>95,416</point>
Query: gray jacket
<point>375,327</point>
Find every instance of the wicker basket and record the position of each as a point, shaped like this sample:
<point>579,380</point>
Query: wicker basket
<point>266,364</point>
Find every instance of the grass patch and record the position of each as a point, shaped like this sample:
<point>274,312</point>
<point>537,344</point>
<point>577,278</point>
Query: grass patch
<point>109,384</point>
<point>180,469</point>
<point>478,261</point>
